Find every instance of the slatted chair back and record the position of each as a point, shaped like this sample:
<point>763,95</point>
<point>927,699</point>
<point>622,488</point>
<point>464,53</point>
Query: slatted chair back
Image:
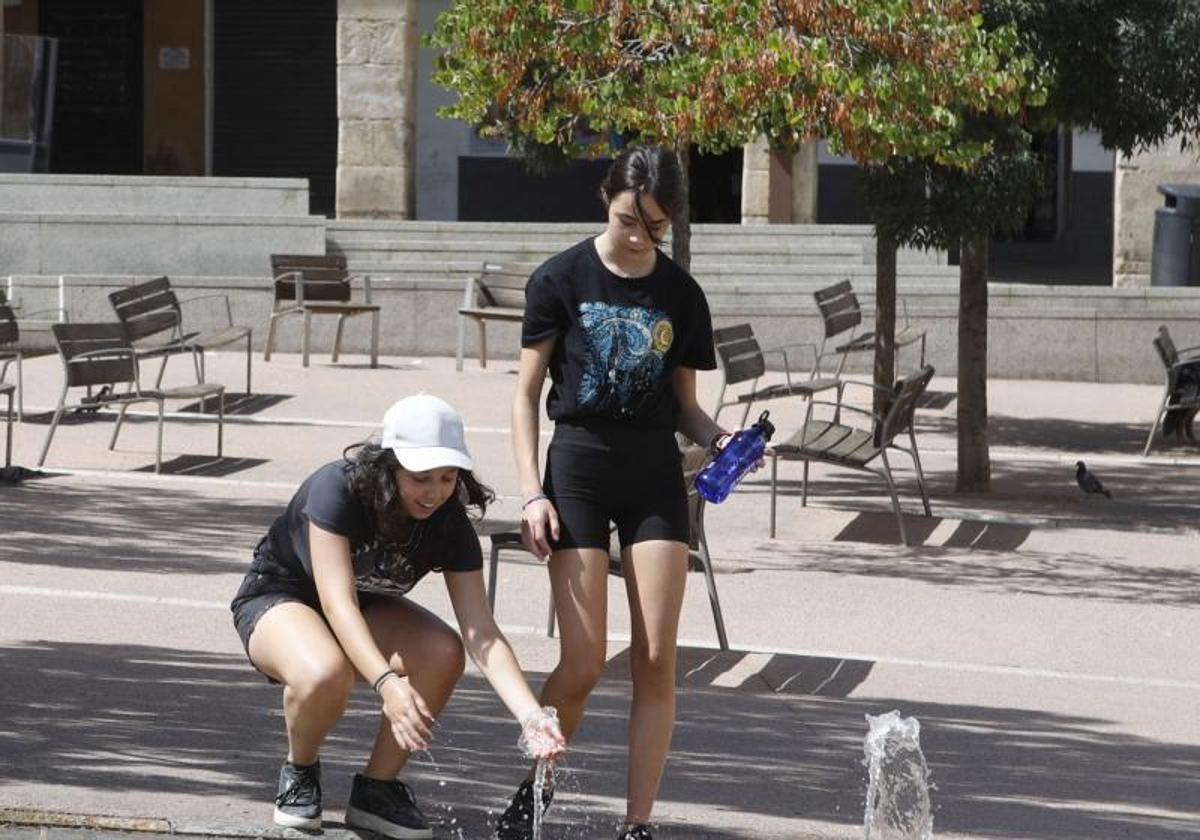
<point>502,286</point>
<point>740,354</point>
<point>1166,347</point>
<point>74,340</point>
<point>326,277</point>
<point>9,332</point>
<point>147,308</point>
<point>898,418</point>
<point>839,307</point>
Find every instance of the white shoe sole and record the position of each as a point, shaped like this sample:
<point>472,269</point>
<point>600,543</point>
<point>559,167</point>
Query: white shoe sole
<point>292,821</point>
<point>362,819</point>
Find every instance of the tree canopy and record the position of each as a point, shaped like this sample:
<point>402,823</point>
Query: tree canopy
<point>876,78</point>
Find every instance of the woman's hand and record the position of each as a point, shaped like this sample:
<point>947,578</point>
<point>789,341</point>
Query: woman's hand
<point>409,715</point>
<point>539,525</point>
<point>722,440</point>
<point>541,738</point>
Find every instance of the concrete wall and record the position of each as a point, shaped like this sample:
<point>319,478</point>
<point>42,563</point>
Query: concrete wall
<point>61,243</point>
<point>1137,197</point>
<point>124,194</point>
<point>1037,332</point>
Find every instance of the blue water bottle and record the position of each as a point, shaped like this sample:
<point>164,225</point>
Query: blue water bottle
<point>745,449</point>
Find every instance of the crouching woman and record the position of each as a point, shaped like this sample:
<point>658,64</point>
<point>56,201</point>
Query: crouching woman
<point>325,604</point>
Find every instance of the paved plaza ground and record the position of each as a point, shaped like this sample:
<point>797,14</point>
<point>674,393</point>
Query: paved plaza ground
<point>1047,641</point>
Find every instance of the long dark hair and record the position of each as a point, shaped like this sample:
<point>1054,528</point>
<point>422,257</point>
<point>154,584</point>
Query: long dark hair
<point>372,477</point>
<point>646,169</point>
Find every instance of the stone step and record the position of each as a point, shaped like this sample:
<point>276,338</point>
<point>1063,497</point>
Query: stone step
<point>705,271</point>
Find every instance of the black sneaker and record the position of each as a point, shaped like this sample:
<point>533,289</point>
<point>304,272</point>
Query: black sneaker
<point>298,803</point>
<point>387,808</point>
<point>635,832</point>
<point>516,823</point>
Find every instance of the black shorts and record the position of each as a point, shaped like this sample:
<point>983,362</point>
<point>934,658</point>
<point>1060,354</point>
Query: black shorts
<point>601,474</point>
<point>267,584</point>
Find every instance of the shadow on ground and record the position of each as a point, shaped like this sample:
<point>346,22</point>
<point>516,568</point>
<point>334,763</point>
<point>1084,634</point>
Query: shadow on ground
<point>128,527</point>
<point>135,718</point>
<point>1146,495</point>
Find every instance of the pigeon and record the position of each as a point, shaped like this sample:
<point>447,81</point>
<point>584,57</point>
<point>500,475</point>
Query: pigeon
<point>1088,483</point>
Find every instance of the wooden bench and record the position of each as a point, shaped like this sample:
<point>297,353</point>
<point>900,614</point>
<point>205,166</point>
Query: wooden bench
<point>307,284</point>
<point>497,293</point>
<point>151,310</point>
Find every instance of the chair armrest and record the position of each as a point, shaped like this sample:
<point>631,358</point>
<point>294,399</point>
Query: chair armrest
<point>298,276</point>
<point>58,310</point>
<point>214,296</point>
<point>366,281</point>
<point>782,350</point>
<point>866,384</point>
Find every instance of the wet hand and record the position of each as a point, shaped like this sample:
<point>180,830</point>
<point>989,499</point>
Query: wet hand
<point>408,714</point>
<point>541,737</point>
<point>539,526</point>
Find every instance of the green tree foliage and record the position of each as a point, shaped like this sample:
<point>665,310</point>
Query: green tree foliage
<point>877,78</point>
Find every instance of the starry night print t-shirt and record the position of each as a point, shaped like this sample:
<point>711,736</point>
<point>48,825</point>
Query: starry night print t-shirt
<point>445,541</point>
<point>619,338</point>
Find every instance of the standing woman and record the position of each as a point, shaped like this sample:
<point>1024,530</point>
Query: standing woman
<point>622,331</point>
<point>324,604</point>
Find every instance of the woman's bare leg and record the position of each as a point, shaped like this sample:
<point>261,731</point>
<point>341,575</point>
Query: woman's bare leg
<point>655,578</point>
<point>579,580</point>
<point>292,644</point>
<point>425,649</point>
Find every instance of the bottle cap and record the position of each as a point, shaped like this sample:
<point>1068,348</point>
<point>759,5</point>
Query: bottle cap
<point>765,427</point>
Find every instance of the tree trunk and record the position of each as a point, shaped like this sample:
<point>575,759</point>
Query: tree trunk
<point>885,316</point>
<point>681,224</point>
<point>974,465</point>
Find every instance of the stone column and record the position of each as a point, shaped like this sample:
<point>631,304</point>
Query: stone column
<point>756,183</point>
<point>1136,197</point>
<point>778,188</point>
<point>377,75</point>
<point>804,184</point>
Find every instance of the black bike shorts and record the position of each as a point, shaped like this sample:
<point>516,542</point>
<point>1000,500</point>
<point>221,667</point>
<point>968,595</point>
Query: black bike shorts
<point>602,474</point>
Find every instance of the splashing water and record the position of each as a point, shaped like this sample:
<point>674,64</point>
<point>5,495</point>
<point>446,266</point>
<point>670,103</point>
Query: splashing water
<point>543,774</point>
<point>898,780</point>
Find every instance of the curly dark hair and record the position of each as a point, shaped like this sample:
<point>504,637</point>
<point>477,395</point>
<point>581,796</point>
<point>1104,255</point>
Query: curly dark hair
<point>372,481</point>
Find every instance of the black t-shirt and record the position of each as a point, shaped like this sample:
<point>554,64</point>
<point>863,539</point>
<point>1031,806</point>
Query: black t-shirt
<point>620,338</point>
<point>444,542</point>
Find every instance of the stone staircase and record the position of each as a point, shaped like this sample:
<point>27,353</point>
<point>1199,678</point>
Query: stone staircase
<point>790,257</point>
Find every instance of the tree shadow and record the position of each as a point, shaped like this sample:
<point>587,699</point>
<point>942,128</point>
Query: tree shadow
<point>131,718</point>
<point>129,527</point>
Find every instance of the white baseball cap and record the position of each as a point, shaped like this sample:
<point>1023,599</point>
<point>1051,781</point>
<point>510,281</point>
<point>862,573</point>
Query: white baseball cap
<point>425,433</point>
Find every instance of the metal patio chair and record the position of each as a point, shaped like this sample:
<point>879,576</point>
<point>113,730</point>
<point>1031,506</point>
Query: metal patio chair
<point>841,315</point>
<point>855,447</point>
<point>102,355</point>
<point>154,317</point>
<point>693,458</point>
<point>741,359</point>
<point>1181,395</point>
<point>306,284</point>
<point>11,351</point>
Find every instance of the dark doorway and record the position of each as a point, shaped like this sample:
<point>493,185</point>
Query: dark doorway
<point>275,93</point>
<point>98,101</point>
<point>716,187</point>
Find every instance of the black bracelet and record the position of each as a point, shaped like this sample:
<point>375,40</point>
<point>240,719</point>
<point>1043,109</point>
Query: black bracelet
<point>382,678</point>
<point>536,497</point>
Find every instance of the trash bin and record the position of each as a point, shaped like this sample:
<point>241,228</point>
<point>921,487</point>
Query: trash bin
<point>1175,260</point>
